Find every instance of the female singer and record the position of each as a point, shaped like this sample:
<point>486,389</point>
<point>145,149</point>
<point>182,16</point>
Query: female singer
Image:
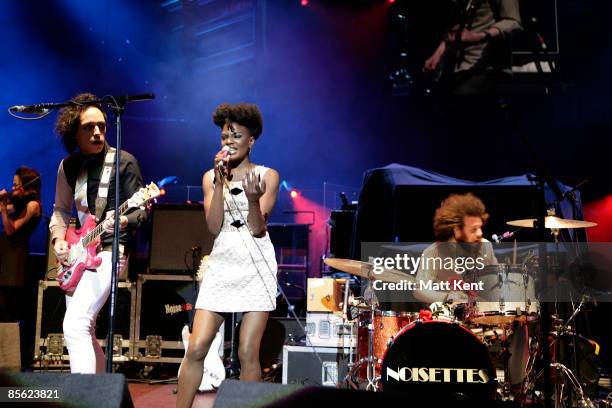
<point>240,274</point>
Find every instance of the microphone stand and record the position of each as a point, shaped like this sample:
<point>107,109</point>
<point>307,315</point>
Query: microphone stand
<point>117,105</point>
<point>118,110</point>
<point>542,178</point>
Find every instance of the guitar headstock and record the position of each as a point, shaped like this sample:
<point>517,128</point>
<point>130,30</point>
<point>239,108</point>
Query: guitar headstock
<point>143,195</point>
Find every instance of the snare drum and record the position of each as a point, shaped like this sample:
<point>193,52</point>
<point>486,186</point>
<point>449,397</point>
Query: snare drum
<point>438,360</point>
<point>509,293</point>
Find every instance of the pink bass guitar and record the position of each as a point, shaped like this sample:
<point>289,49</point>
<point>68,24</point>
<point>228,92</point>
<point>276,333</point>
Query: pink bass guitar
<point>83,243</point>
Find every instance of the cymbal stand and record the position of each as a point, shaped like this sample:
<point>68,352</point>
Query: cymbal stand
<point>371,364</point>
<point>565,326</point>
<point>583,401</point>
<point>369,360</point>
<point>506,386</point>
<point>561,392</point>
<point>345,321</point>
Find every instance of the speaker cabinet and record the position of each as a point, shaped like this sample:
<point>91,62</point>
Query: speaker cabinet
<point>233,393</point>
<point>10,354</point>
<point>72,390</point>
<point>176,230</point>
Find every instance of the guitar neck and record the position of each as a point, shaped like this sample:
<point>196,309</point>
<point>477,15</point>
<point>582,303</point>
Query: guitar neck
<point>96,232</point>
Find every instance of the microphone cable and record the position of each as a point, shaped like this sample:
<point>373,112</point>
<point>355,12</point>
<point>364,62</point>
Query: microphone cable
<point>280,289</point>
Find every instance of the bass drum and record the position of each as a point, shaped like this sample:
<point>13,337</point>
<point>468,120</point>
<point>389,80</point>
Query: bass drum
<point>438,360</point>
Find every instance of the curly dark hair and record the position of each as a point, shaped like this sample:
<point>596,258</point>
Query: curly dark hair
<point>452,211</point>
<point>30,180</point>
<point>244,114</point>
<point>68,120</point>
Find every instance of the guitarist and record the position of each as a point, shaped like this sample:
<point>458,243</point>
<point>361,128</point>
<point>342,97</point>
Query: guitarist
<point>476,49</point>
<point>82,130</point>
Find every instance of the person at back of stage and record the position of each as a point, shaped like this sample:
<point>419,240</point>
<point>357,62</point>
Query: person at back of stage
<point>21,212</point>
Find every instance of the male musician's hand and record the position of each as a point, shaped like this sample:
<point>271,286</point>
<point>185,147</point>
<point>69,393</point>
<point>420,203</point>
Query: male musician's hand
<point>60,249</point>
<point>109,222</point>
<point>458,297</point>
<point>432,63</point>
<point>222,156</point>
<point>470,37</point>
<point>252,186</point>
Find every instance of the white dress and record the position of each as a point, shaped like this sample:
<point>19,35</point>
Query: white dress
<point>240,274</point>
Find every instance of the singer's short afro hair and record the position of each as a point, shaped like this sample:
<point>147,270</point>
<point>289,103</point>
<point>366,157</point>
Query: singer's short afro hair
<point>69,119</point>
<point>244,114</point>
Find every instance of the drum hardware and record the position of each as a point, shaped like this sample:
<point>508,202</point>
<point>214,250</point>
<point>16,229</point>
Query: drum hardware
<point>371,364</point>
<point>382,348</point>
<point>364,270</point>
<point>572,392</point>
<point>499,303</point>
<point>583,400</point>
<point>506,385</point>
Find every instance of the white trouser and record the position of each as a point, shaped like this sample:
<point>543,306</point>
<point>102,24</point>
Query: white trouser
<point>82,307</point>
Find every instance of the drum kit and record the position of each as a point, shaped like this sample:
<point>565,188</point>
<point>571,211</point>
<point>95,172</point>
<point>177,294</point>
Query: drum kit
<point>488,348</point>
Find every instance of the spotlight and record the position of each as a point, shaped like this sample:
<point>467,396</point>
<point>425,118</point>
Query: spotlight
<point>304,3</point>
<point>285,185</point>
<point>294,193</point>
<point>390,1</point>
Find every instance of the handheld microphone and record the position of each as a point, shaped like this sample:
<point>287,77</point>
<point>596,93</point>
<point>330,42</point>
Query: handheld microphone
<point>221,164</point>
<point>499,238</point>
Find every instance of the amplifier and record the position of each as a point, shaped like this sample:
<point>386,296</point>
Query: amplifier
<point>328,330</point>
<point>49,347</point>
<point>176,229</point>
<point>324,295</point>
<point>164,304</point>
<point>279,331</point>
<point>302,366</point>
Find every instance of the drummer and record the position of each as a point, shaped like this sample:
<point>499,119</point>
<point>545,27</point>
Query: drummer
<point>457,226</point>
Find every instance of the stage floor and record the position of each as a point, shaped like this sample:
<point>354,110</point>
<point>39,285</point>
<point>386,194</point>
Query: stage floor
<point>161,396</point>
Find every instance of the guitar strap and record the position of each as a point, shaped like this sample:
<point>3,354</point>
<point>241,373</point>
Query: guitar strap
<point>495,6</point>
<point>80,196</point>
<point>105,177</point>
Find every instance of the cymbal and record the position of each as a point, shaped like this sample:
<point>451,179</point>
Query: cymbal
<point>553,222</point>
<point>350,266</point>
<point>364,270</point>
